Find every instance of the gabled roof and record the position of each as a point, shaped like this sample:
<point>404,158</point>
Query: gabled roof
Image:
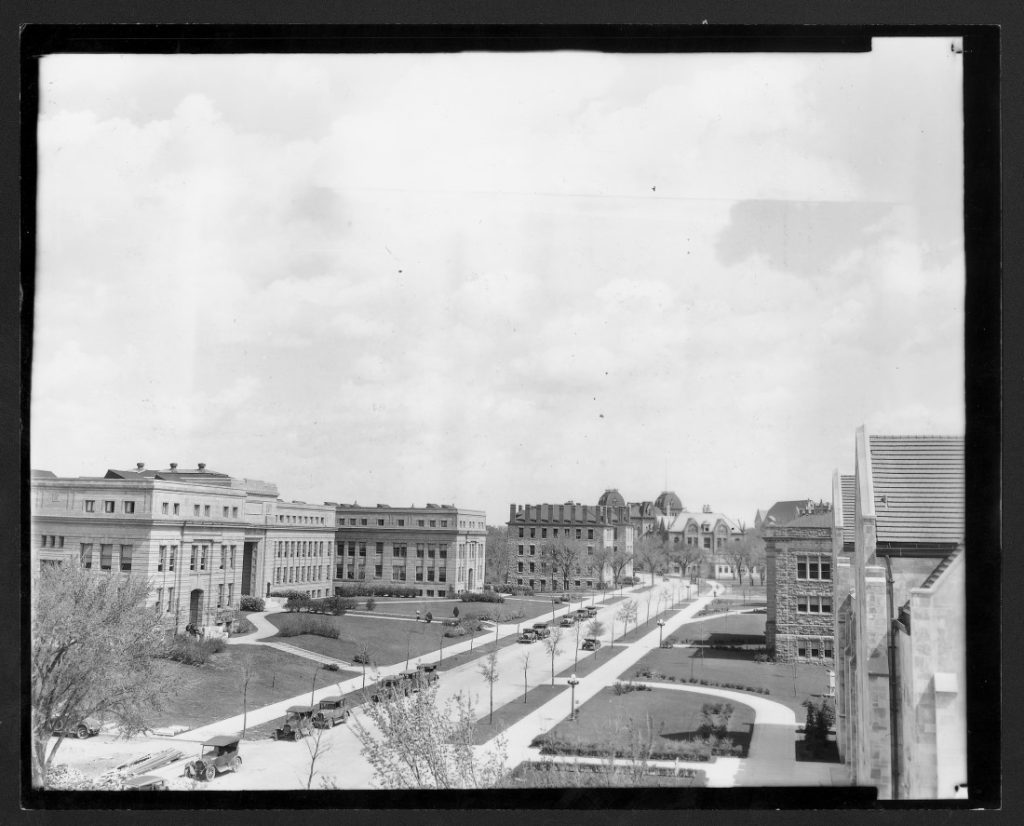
<point>785,512</point>
<point>677,523</point>
<point>918,484</point>
<point>822,519</point>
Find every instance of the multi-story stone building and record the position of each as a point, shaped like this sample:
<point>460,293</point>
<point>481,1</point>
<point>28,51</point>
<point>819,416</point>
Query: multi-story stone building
<point>798,578</point>
<point>901,618</point>
<point>438,549</point>
<point>645,515</point>
<point>202,538</point>
<point>573,543</point>
<point>704,538</point>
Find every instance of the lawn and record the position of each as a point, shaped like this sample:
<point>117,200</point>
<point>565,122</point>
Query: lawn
<point>733,629</point>
<point>620,721</point>
<point>514,711</point>
<point>590,660</point>
<point>389,641</point>
<point>787,683</point>
<point>213,691</point>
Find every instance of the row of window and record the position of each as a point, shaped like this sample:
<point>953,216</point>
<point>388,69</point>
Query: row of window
<point>470,523</point>
<point>399,549</point>
<point>300,519</point>
<point>556,585</point>
<point>814,604</point>
<point>692,542</point>
<point>398,573</point>
<point>298,573</point>
<point>814,566</point>
<point>109,506</point>
<point>50,541</point>
<point>565,532</point>
<point>533,550</point>
<point>554,568</point>
<point>106,560</point>
<point>299,547</point>
<point>162,607</point>
<point>399,521</point>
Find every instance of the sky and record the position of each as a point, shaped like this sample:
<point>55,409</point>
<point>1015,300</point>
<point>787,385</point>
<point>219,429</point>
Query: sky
<point>486,278</point>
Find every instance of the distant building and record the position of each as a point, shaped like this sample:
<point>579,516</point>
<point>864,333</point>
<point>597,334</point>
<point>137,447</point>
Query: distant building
<point>203,538</point>
<point>901,617</point>
<point>782,513</point>
<point>645,515</point>
<point>707,535</point>
<point>592,532</point>
<point>799,569</point>
<point>436,549</point>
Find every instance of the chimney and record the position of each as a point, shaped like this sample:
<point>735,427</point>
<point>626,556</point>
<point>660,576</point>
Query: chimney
<point>512,512</point>
<point>140,465</point>
<point>174,465</point>
<point>202,465</point>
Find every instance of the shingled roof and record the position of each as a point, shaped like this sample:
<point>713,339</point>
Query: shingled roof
<point>849,488</point>
<point>918,486</point>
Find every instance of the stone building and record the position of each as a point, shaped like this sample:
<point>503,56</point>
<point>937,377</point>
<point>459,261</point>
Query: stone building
<point>587,538</point>
<point>645,515</point>
<point>203,538</point>
<point>703,538</point>
<point>901,618</point>
<point>437,549</point>
<point>799,625</point>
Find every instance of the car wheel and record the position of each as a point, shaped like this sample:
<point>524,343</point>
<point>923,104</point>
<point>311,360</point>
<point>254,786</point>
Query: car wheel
<point>211,773</point>
<point>275,735</point>
<point>82,731</point>
<point>189,771</point>
<point>236,764</point>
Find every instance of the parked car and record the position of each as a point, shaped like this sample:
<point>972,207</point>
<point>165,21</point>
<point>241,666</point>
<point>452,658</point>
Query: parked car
<point>219,754</point>
<point>388,687</point>
<point>298,722</point>
<point>591,611</point>
<point>591,644</point>
<point>330,711</point>
<point>80,727</point>
<point>541,629</point>
<point>581,614</point>
<point>428,673</point>
<point>567,621</point>
<point>145,783</point>
<point>361,659</point>
<point>528,636</point>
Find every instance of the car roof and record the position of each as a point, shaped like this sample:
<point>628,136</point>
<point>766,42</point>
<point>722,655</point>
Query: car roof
<point>221,740</point>
<point>297,709</point>
<point>334,698</point>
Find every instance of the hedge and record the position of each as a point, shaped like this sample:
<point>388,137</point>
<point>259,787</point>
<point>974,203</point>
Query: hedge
<point>698,749</point>
<point>298,625</point>
<point>483,596</point>
<point>248,603</point>
<point>365,589</point>
<point>184,648</point>
<point>326,605</point>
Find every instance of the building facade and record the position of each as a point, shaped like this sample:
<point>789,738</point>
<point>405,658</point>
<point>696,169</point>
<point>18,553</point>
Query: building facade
<point>574,543</point>
<point>800,624</point>
<point>202,538</point>
<point>702,540</point>
<point>438,549</point>
<point>901,618</point>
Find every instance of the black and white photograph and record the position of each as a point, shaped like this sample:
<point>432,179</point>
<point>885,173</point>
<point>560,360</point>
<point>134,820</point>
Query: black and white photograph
<point>489,418</point>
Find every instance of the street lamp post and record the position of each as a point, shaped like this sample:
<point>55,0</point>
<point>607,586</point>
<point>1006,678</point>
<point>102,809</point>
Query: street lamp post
<point>573,682</point>
<point>661,630</point>
<point>408,642</point>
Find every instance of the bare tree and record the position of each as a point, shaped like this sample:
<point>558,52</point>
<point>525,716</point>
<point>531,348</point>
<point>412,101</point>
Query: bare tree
<point>650,552</point>
<point>363,655</point>
<point>246,671</point>
<point>489,670</point>
<point>562,556</point>
<point>419,743</point>
<point>526,665</point>
<point>552,643</point>
<point>94,654</point>
<point>620,558</point>
<point>316,749</point>
<point>498,556</point>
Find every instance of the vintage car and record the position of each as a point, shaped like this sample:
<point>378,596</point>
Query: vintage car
<point>75,727</point>
<point>591,644</point>
<point>144,783</point>
<point>361,659</point>
<point>581,614</point>
<point>591,610</point>
<point>219,754</point>
<point>567,621</point>
<point>428,673</point>
<point>330,711</point>
<point>390,687</point>
<point>541,629</point>
<point>528,636</point>
<point>298,722</point>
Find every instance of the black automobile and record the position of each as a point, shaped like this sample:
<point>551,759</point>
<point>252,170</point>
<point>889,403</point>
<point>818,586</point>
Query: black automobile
<point>591,644</point>
<point>541,630</point>
<point>74,727</point>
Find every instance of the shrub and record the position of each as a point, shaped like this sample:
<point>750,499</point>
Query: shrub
<point>185,648</point>
<point>289,594</point>
<point>428,617</point>
<point>296,626</point>
<point>371,603</point>
<point>369,589</point>
<point>455,631</point>
<point>516,590</point>
<point>299,602</point>
<point>455,611</point>
<point>332,667</point>
<point>248,603</point>
<point>482,596</point>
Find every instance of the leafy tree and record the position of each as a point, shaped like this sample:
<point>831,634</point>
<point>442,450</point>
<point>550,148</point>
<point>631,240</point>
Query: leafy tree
<point>489,670</point>
<point>498,555</point>
<point>95,650</point>
<point>602,560</point>
<point>595,628</point>
<point>562,557</point>
<point>552,644</point>
<point>650,552</point>
<point>619,560</point>
<point>417,742</point>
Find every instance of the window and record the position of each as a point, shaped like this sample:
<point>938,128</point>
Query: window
<point>85,554</point>
<point>442,551</point>
<point>430,574</point>
<point>159,598</point>
<point>533,550</point>
<point>106,554</point>
<point>398,573</point>
<point>579,533</point>
<point>520,567</point>
<point>195,510</point>
<point>419,573</point>
<point>165,508</point>
<point>442,574</point>
<point>401,523</point>
<point>590,550</point>
<point>378,571</point>
<point>225,511</point>
<point>206,510</point>
<point>351,520</point>
<point>170,558</point>
<point>223,557</point>
<point>362,549</point>
<point>533,533</point>
<point>814,567</point>
<point>380,522</point>
<point>801,652</point>
<point>520,533</point>
<point>362,521</point>
<point>220,594</point>
<point>233,549</point>
<point>177,511</point>
<point>379,548</point>
<point>231,592</point>
<point>444,523</point>
<point>707,542</point>
<point>162,559</point>
<point>828,652</point>
<point>520,550</point>
<point>814,604</point>
<point>590,533</point>
<point>108,506</point>
<point>195,556</point>
<point>419,550</point>
<point>90,506</point>
<point>234,513</point>
<point>543,533</point>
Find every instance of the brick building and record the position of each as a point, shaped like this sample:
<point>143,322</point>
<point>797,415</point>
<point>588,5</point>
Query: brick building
<point>203,538</point>
<point>586,537</point>
<point>437,549</point>
<point>800,625</point>
<point>901,618</point>
<point>707,534</point>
